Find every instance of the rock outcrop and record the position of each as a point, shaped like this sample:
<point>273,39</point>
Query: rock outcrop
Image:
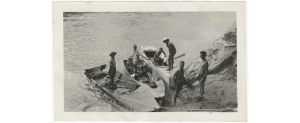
<point>221,56</point>
<point>222,53</point>
<point>220,85</point>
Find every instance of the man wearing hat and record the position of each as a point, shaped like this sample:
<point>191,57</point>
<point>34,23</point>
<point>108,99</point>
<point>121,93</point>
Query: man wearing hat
<point>112,70</point>
<point>172,51</point>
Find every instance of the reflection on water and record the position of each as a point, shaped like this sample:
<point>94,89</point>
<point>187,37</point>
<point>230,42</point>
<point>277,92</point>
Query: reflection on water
<point>90,37</point>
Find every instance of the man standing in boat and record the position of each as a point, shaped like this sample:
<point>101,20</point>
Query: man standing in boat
<point>136,58</point>
<point>172,51</point>
<point>157,58</point>
<point>112,70</point>
<point>179,79</point>
<point>203,70</point>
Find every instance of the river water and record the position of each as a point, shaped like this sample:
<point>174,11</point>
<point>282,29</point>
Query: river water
<point>90,37</point>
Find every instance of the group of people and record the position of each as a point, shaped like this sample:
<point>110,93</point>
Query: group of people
<point>180,80</point>
<point>178,77</point>
<point>112,65</point>
<point>172,51</point>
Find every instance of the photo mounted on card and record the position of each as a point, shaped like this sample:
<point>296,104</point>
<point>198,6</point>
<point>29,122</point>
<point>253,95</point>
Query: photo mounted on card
<point>150,61</point>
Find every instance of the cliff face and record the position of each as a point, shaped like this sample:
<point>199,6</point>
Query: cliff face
<point>222,53</point>
<point>221,56</point>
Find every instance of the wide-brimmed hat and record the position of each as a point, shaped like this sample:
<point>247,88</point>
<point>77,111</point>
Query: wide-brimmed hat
<point>112,53</point>
<point>165,40</point>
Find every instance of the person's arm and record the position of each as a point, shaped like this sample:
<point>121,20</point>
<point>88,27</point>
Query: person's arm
<point>164,53</point>
<point>175,77</point>
<point>156,55</point>
<point>205,72</point>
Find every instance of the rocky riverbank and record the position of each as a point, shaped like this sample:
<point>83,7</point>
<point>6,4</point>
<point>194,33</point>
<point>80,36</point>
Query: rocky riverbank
<point>221,83</point>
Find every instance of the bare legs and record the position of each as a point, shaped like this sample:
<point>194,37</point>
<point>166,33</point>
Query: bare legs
<point>171,60</point>
<point>201,91</point>
<point>178,88</point>
<point>201,83</point>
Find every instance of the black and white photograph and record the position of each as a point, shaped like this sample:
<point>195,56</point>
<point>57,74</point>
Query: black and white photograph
<point>151,61</point>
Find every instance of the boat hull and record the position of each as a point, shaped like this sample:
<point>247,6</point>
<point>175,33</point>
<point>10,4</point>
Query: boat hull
<point>167,76</point>
<point>139,99</point>
<point>158,92</point>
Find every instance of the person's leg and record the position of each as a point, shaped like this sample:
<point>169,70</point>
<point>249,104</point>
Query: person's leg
<point>109,73</point>
<point>178,88</point>
<point>135,68</point>
<point>202,88</point>
<point>201,91</point>
<point>169,63</point>
<point>171,60</point>
<point>159,61</point>
<point>173,54</point>
<point>112,78</point>
<point>187,83</point>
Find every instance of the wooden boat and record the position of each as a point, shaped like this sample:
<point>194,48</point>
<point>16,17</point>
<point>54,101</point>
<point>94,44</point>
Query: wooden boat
<point>128,92</point>
<point>146,78</point>
<point>167,76</point>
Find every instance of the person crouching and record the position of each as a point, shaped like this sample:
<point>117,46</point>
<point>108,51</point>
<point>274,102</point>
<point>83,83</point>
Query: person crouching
<point>179,79</point>
<point>157,58</point>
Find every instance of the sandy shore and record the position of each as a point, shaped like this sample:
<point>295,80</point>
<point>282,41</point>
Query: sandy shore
<point>220,93</point>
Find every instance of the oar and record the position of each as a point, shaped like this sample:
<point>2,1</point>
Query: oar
<point>179,56</point>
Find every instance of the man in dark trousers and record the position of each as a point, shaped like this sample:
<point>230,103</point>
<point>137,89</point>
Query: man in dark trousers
<point>112,70</point>
<point>172,51</point>
<point>203,70</point>
<point>179,79</point>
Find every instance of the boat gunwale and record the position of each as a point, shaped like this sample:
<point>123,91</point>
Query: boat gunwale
<point>157,96</point>
<point>116,96</point>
